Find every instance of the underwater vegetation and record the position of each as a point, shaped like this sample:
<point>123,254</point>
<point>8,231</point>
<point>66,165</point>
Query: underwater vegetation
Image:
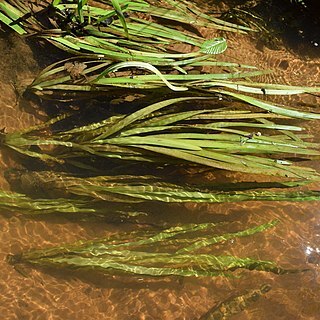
<point>135,189</point>
<point>63,79</point>
<point>136,40</point>
<point>206,135</point>
<point>173,251</point>
<point>196,137</point>
<point>21,203</point>
<point>220,120</point>
<point>122,31</point>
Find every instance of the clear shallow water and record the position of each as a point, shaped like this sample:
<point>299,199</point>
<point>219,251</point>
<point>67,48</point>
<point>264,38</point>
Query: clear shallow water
<point>66,295</point>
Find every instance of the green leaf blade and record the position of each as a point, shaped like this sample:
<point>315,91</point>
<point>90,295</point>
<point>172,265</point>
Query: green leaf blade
<point>214,46</point>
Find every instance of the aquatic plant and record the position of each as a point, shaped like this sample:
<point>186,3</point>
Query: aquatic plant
<point>75,209</point>
<point>21,203</point>
<point>150,49</point>
<point>117,30</point>
<point>133,189</point>
<point>179,251</point>
<point>159,135</point>
<point>81,75</point>
<point>138,41</point>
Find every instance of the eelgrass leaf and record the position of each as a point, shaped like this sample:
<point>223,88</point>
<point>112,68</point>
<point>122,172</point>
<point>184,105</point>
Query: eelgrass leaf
<point>8,22</point>
<point>260,88</point>
<point>127,189</point>
<point>206,242</point>
<point>150,255</point>
<point>271,107</point>
<point>144,65</point>
<point>65,41</point>
<point>184,139</point>
<point>25,205</point>
<point>112,267</point>
<point>209,158</point>
<point>122,19</point>
<point>142,113</point>
<point>192,19</point>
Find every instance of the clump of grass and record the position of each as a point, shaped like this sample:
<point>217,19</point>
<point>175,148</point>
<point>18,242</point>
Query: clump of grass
<point>179,251</point>
<point>158,135</point>
<point>74,76</point>
<point>84,75</point>
<point>121,31</point>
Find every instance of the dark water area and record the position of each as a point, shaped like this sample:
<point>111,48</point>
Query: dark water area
<point>35,293</point>
<point>296,23</point>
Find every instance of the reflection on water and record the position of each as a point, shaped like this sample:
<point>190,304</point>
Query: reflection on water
<point>61,295</point>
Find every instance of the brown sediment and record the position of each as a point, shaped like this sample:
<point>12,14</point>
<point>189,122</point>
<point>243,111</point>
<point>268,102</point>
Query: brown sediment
<point>236,304</point>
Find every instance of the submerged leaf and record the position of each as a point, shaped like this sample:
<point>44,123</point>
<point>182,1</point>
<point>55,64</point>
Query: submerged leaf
<point>144,65</point>
<point>271,107</point>
<point>128,189</point>
<point>189,139</point>
<point>151,255</point>
<point>119,12</point>
<point>214,46</point>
